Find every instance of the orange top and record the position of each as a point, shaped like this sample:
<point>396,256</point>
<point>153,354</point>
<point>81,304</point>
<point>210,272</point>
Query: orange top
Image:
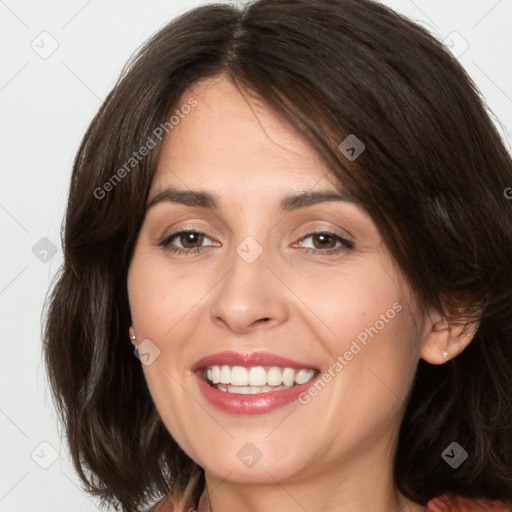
<point>444,503</point>
<point>451,503</point>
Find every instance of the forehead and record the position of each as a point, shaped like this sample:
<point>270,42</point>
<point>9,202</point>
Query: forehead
<point>230,138</point>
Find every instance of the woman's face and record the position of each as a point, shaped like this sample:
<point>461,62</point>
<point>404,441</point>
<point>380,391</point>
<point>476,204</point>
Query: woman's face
<point>256,280</point>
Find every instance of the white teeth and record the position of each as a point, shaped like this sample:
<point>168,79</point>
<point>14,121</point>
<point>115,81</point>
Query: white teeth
<point>288,376</point>
<point>274,376</point>
<point>257,377</point>
<point>303,376</point>
<point>249,390</point>
<point>215,374</point>
<point>225,375</point>
<point>239,376</point>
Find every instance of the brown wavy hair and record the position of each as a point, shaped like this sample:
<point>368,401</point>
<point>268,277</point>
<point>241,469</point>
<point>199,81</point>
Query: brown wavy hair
<point>432,177</point>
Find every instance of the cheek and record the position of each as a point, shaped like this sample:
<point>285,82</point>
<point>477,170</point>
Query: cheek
<point>365,325</point>
<point>162,295</point>
<point>359,302</point>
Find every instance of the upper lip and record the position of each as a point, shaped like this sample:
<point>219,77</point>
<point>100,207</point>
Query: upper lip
<point>248,359</point>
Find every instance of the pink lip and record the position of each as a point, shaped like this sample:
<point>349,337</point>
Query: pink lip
<point>259,403</point>
<point>248,359</point>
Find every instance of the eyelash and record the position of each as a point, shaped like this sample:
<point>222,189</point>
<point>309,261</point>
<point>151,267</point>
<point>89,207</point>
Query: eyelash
<point>346,244</point>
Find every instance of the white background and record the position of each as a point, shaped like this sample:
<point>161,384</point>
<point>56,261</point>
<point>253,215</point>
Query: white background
<point>45,106</point>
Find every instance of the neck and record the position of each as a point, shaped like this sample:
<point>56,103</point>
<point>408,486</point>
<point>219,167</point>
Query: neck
<point>361,489</point>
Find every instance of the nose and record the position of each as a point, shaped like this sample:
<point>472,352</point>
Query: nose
<point>250,296</point>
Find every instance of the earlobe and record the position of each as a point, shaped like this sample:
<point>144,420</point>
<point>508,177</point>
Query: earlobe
<point>131,333</point>
<point>445,340</point>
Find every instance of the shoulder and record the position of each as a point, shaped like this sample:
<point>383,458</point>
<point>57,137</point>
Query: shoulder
<point>452,503</point>
<point>164,505</point>
<point>170,504</point>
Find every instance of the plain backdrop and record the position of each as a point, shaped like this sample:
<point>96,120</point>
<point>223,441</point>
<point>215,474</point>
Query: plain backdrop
<point>58,61</point>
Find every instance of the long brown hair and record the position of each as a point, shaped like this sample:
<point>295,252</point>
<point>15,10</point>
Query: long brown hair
<point>432,177</point>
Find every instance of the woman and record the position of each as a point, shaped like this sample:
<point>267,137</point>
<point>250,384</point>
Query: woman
<point>296,212</point>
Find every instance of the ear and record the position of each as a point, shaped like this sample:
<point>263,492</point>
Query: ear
<point>445,339</point>
<point>131,332</point>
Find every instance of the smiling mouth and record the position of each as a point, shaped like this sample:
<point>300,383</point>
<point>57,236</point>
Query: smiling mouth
<point>255,379</point>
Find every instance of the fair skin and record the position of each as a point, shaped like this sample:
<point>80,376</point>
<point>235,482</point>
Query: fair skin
<point>336,452</point>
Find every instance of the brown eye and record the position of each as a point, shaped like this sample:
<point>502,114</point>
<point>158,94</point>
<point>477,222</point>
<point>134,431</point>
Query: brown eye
<point>191,239</point>
<point>185,241</point>
<point>325,242</point>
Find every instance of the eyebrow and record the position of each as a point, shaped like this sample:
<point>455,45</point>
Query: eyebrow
<point>210,201</point>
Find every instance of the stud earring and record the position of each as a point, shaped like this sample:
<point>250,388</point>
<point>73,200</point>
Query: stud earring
<point>135,348</point>
<point>445,354</point>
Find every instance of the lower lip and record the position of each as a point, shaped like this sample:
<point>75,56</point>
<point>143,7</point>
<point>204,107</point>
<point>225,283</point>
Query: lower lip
<point>259,403</point>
